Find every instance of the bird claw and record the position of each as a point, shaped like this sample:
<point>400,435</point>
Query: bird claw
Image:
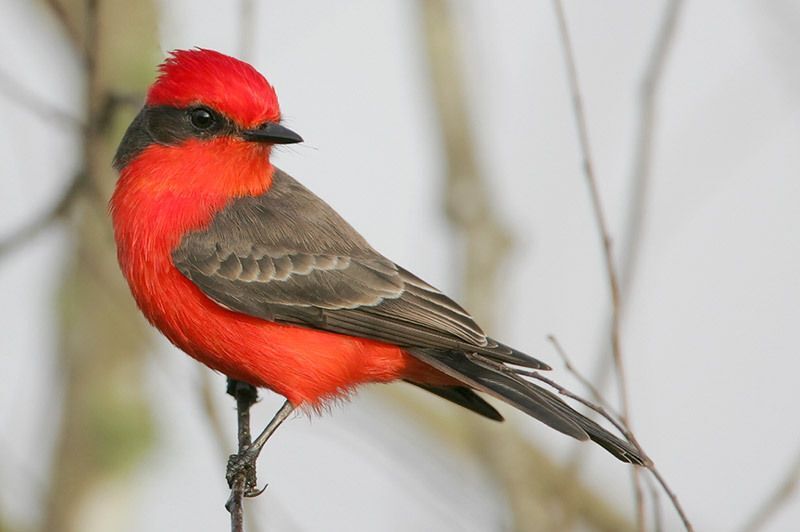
<point>255,493</point>
<point>243,466</point>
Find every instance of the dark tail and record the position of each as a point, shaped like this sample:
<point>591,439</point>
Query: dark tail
<point>534,400</point>
<point>463,396</point>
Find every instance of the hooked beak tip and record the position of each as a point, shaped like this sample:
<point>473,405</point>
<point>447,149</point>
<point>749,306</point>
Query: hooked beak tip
<point>272,133</point>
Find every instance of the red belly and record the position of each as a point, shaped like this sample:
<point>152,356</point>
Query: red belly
<point>304,365</point>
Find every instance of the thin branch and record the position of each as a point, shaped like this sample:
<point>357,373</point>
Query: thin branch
<point>596,395</point>
<point>672,497</point>
<point>615,420</point>
<point>602,227</point>
<point>629,436</point>
<point>597,205</point>
<point>597,408</point>
<point>641,167</point>
<point>777,500</point>
<point>218,431</point>
<point>31,229</point>
<point>246,396</point>
<point>655,500</point>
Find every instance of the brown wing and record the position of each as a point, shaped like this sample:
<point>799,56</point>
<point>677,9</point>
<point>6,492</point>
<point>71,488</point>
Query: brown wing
<point>288,257</point>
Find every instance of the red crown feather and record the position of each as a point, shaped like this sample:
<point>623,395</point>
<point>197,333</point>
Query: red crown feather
<point>207,77</point>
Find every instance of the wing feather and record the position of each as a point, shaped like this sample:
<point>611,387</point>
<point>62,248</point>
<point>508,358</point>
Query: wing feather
<point>287,256</point>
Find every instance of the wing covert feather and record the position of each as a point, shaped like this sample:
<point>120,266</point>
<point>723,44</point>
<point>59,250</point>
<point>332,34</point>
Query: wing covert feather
<point>287,256</point>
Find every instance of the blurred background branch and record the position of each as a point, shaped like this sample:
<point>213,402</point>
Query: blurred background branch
<point>31,229</point>
<point>641,170</point>
<point>710,158</point>
<point>22,96</point>
<point>106,424</point>
<point>621,278</point>
<point>598,210</point>
<point>542,495</point>
<point>785,490</point>
<point>644,142</point>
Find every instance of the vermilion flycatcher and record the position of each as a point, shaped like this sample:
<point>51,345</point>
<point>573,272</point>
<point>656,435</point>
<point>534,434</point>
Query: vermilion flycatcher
<point>249,272</point>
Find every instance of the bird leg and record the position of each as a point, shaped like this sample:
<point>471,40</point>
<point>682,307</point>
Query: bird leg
<point>241,470</point>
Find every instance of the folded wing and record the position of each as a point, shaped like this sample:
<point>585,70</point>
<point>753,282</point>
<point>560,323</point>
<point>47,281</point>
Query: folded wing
<point>286,256</point>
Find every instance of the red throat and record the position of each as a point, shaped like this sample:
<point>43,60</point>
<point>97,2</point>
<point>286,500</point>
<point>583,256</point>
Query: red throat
<point>168,191</point>
<point>216,170</point>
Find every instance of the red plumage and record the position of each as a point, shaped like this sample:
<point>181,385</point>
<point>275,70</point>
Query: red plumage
<point>226,84</point>
<point>168,191</point>
<point>250,273</point>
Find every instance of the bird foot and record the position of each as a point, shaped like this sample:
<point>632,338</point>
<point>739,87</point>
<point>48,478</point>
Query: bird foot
<point>243,466</point>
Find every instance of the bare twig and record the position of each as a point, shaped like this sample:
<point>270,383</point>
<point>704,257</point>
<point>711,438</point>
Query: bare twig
<point>672,497</point>
<point>597,408</point>
<point>655,501</point>
<point>246,396</point>
<point>605,236</point>
<point>597,205</point>
<point>618,422</point>
<point>486,244</point>
<point>205,389</point>
<point>641,167</point>
<point>596,395</point>
<point>783,493</point>
<point>624,429</point>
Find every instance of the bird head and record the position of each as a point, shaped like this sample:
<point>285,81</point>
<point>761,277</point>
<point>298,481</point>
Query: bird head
<point>207,100</point>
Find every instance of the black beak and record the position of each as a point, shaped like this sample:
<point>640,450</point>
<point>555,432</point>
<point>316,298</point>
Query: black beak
<point>272,133</point>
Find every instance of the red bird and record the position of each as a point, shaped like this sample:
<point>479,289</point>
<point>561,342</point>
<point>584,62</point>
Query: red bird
<point>250,273</point>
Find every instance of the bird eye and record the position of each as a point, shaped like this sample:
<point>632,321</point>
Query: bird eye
<point>202,118</point>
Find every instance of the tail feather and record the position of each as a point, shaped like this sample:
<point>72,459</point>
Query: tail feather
<point>461,395</point>
<point>503,353</point>
<point>534,400</point>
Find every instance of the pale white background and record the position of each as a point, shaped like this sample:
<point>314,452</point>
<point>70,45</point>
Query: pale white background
<point>711,333</point>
